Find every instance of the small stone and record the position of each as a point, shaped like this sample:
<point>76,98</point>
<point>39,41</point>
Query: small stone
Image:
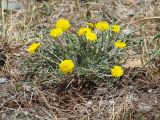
<point>3,80</point>
<point>145,107</point>
<point>10,5</point>
<point>26,113</point>
<point>89,103</point>
<point>150,90</point>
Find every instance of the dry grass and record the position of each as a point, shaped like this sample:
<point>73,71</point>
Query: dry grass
<point>30,96</point>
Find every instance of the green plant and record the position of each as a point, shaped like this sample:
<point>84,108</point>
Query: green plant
<point>94,51</point>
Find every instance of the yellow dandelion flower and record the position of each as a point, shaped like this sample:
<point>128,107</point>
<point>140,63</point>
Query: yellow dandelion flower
<point>91,36</point>
<point>117,71</point>
<point>33,48</point>
<point>103,26</point>
<point>56,32</point>
<point>82,31</point>
<point>66,66</point>
<point>62,24</point>
<point>120,44</point>
<point>115,28</point>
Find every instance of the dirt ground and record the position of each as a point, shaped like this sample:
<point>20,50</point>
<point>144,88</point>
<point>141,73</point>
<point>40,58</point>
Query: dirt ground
<point>29,96</point>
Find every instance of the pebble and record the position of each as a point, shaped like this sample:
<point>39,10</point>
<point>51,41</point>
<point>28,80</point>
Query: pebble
<point>89,103</point>
<point>2,80</point>
<point>150,90</point>
<point>145,107</point>
<point>10,5</point>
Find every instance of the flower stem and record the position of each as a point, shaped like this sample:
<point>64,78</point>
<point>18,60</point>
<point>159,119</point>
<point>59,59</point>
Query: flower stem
<point>46,58</point>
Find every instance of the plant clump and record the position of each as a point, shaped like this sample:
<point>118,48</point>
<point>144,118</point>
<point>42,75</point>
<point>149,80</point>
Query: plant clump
<point>89,51</point>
